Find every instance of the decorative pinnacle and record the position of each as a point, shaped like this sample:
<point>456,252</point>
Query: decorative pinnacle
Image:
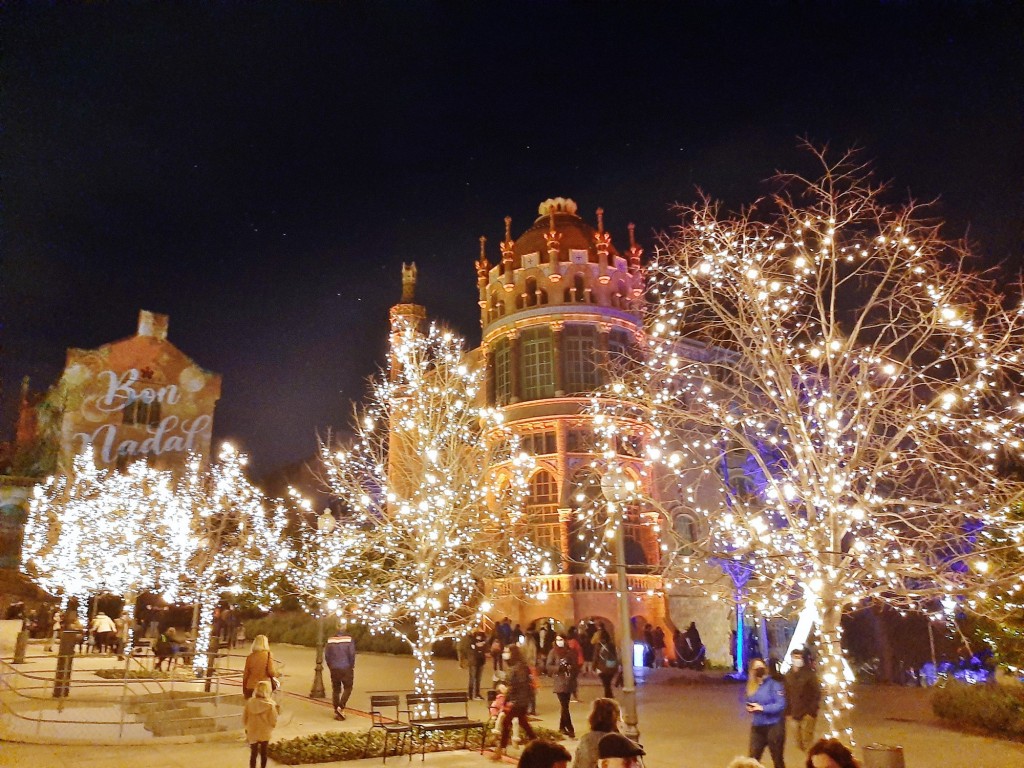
<point>551,218</point>
<point>632,235</point>
<point>600,220</point>
<point>483,250</point>
<point>408,283</point>
<point>508,227</point>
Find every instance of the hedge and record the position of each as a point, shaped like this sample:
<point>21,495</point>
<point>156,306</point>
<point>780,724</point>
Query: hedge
<point>346,745</point>
<point>298,628</point>
<point>994,709</point>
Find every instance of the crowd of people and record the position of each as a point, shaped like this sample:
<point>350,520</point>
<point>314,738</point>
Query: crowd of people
<point>518,659</point>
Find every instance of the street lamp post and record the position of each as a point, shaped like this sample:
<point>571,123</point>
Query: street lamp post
<point>617,487</point>
<point>324,526</point>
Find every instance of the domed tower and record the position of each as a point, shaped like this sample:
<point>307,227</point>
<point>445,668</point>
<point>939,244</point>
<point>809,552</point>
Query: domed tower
<point>559,310</point>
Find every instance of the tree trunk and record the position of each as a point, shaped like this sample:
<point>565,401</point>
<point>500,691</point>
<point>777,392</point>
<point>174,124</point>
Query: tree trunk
<point>879,617</point>
<point>423,652</point>
<point>837,699</point>
<point>203,636</point>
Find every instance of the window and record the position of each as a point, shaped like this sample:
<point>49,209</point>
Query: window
<point>502,364</point>
<point>142,413</point>
<point>534,295</point>
<point>580,441</point>
<point>538,443</point>
<point>578,289</point>
<point>685,527</point>
<point>542,511</point>
<point>503,373</point>
<point>538,373</point>
<point>581,372</point>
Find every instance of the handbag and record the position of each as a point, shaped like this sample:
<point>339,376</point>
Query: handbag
<point>274,682</point>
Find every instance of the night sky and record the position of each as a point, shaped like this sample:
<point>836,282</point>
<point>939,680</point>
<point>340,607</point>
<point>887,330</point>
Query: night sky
<point>259,171</point>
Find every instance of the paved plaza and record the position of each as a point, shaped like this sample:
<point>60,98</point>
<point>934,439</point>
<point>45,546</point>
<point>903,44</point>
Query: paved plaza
<point>683,725</point>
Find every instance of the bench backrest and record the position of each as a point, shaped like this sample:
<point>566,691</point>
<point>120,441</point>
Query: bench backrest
<point>429,704</point>
<point>380,702</point>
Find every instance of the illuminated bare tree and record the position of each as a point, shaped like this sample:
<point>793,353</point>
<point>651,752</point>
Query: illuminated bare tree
<point>236,535</point>
<point>95,529</point>
<point>853,395</point>
<point>433,485</point>
<point>192,537</point>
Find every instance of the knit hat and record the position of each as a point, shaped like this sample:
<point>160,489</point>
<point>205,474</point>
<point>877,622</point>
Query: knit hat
<point>617,745</point>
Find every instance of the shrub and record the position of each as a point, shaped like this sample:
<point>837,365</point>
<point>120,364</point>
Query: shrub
<point>298,628</point>
<point>995,709</point>
<point>346,745</point>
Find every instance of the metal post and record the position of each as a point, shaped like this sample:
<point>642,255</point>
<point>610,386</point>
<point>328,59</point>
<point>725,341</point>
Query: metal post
<point>318,691</point>
<point>629,712</point>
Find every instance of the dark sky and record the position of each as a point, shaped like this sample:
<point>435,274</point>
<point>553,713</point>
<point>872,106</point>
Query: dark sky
<point>260,170</point>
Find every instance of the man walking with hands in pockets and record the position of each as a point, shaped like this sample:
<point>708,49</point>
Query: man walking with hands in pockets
<point>340,656</point>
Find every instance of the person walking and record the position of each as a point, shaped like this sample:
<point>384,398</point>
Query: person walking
<point>766,704</point>
<point>604,719</point>
<point>259,666</point>
<point>606,661</point>
<point>102,630</point>
<point>496,648</point>
<point>476,657</point>
<point>340,655</point>
<point>563,665</point>
<point>520,687</point>
<point>259,718</point>
<point>572,642</point>
<point>659,647</point>
<point>803,697</point>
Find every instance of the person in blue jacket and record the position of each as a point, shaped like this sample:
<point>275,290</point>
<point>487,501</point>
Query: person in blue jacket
<point>340,655</point>
<point>766,703</point>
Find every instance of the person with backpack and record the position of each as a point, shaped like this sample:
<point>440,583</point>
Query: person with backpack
<point>606,661</point>
<point>563,665</point>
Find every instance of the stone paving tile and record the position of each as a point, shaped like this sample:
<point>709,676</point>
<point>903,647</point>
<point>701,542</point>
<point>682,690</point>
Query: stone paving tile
<point>683,726</point>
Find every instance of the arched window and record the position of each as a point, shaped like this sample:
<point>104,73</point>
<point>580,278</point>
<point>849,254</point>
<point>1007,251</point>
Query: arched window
<point>587,500</point>
<point>578,287</point>
<point>531,291</point>
<point>685,526</point>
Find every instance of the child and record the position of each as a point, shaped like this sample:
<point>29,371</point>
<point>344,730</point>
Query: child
<point>497,708</point>
<point>259,718</point>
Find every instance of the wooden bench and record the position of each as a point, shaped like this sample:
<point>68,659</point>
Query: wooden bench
<point>438,712</point>
<point>385,713</point>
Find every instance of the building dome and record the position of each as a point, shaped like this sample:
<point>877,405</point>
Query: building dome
<point>560,260</point>
<point>559,215</point>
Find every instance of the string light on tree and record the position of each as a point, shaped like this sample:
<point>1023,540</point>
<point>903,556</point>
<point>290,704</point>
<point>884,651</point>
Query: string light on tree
<point>837,396</point>
<point>432,486</point>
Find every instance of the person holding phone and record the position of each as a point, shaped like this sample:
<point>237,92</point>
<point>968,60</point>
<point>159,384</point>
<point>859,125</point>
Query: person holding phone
<point>766,705</point>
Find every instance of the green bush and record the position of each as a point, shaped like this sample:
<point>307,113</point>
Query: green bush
<point>298,628</point>
<point>344,745</point>
<point>995,709</point>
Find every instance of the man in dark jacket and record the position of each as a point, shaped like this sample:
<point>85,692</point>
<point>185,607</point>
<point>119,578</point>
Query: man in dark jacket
<point>803,696</point>
<point>476,656</point>
<point>340,655</point>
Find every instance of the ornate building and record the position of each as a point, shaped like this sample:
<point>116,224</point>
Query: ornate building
<point>559,310</point>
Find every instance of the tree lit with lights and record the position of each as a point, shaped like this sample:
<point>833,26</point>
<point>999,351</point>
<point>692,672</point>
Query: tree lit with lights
<point>853,397</point>
<point>189,538</point>
<point>429,520</point>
